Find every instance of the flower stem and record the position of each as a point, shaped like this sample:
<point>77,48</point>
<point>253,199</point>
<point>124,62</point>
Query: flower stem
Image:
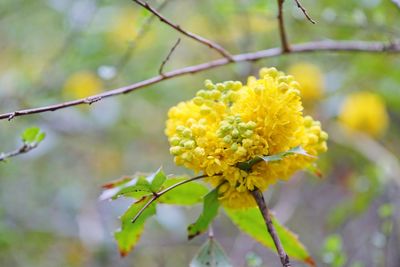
<point>259,198</point>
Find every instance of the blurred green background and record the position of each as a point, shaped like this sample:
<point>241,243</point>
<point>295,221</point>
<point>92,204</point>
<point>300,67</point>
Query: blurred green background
<point>57,50</point>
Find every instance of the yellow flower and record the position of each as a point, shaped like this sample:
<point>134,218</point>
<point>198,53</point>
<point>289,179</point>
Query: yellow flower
<point>124,28</point>
<point>230,123</point>
<point>364,112</point>
<point>310,78</point>
<point>82,84</point>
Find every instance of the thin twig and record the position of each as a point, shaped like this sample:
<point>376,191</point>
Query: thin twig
<point>259,198</point>
<point>299,5</point>
<point>144,27</point>
<point>23,149</point>
<point>282,31</point>
<point>311,47</point>
<point>160,71</point>
<point>159,194</point>
<point>194,36</point>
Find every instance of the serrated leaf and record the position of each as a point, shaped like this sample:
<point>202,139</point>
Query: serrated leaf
<point>186,194</point>
<point>247,165</point>
<point>156,180</point>
<point>130,232</point>
<point>251,222</point>
<point>210,210</point>
<point>211,254</point>
<point>29,135</point>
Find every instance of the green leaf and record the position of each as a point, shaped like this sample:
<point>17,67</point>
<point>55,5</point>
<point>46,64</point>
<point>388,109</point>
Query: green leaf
<point>211,254</point>
<point>129,234</point>
<point>277,157</point>
<point>40,137</point>
<point>33,135</point>
<point>128,187</point>
<point>247,165</point>
<point>252,223</point>
<point>210,210</point>
<point>156,180</point>
<point>186,194</point>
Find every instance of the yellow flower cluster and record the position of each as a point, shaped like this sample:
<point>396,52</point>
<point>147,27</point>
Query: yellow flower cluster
<point>229,123</point>
<point>364,112</point>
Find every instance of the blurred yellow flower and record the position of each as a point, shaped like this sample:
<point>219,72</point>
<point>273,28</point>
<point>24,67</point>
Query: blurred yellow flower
<point>230,123</point>
<point>364,112</point>
<point>123,29</point>
<point>82,84</point>
<point>310,78</point>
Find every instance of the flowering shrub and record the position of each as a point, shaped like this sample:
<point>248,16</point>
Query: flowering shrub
<point>227,126</point>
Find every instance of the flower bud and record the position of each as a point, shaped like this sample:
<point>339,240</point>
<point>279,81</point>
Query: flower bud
<point>189,144</point>
<point>174,141</point>
<point>198,100</point>
<point>227,139</point>
<point>176,150</point>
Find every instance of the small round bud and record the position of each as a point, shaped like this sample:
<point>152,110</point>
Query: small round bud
<point>248,133</point>
<point>237,86</point>
<point>229,85</point>
<point>202,93</point>
<point>189,144</point>
<point>198,100</point>
<point>187,133</point>
<point>251,125</point>
<point>220,87</point>
<point>228,139</point>
<point>324,136</point>
<point>215,94</point>
<point>235,133</point>
<point>234,146</point>
<point>283,87</point>
<point>204,110</point>
<point>209,85</point>
<point>308,121</point>
<point>242,126</point>
<point>176,150</point>
<point>180,128</point>
<point>174,141</point>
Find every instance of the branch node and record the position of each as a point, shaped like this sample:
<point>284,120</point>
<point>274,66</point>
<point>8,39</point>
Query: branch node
<point>92,99</point>
<point>12,116</point>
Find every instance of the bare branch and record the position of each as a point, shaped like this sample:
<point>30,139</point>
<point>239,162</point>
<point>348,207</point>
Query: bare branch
<point>145,26</point>
<point>23,149</point>
<point>159,194</point>
<point>196,37</point>
<point>282,31</point>
<point>311,47</point>
<point>299,5</point>
<point>160,71</point>
<point>259,198</point>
